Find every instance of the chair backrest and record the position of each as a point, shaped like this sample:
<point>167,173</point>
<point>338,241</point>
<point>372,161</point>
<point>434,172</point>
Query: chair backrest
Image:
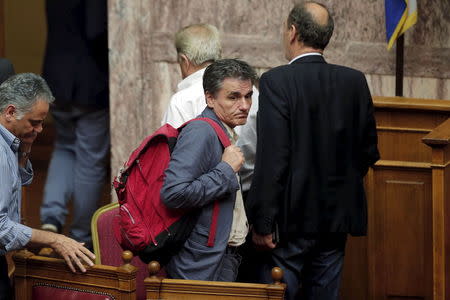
<point>177,289</point>
<point>106,248</point>
<point>42,278</point>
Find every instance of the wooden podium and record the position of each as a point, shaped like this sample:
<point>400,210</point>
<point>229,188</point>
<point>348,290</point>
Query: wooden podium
<point>406,254</point>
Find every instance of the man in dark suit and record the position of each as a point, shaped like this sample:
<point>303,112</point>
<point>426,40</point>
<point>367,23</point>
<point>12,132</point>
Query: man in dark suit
<point>6,69</point>
<point>76,69</point>
<point>316,141</point>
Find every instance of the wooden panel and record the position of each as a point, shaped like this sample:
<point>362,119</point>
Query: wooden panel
<point>438,140</point>
<point>355,275</point>
<point>411,104</point>
<point>118,282</point>
<point>400,233</point>
<point>2,28</point>
<point>404,298</point>
<point>405,225</point>
<point>396,260</point>
<point>447,226</point>
<point>402,145</point>
<point>25,34</point>
<point>410,119</point>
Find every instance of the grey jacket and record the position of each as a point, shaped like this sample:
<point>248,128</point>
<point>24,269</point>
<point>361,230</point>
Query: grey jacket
<point>195,178</point>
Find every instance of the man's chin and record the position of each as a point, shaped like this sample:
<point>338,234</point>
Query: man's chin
<point>241,122</point>
<point>28,139</point>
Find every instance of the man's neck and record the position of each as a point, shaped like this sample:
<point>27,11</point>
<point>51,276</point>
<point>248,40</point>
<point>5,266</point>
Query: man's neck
<point>304,50</point>
<point>192,69</point>
<point>5,124</point>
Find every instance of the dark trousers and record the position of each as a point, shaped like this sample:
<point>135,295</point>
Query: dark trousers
<point>5,286</point>
<point>312,263</point>
<point>252,260</point>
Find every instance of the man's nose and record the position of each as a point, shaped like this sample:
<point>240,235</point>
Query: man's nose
<point>39,128</point>
<point>245,104</point>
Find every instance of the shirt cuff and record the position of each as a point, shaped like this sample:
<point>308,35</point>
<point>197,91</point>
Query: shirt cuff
<point>20,237</point>
<point>227,170</point>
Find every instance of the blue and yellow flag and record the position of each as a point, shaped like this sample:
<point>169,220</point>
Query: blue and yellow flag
<point>400,15</point>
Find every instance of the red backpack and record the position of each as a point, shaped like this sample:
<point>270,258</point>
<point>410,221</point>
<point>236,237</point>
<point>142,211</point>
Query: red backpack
<point>144,224</point>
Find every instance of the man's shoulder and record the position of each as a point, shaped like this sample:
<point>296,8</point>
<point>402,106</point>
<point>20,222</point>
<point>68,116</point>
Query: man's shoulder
<point>5,63</point>
<point>198,129</point>
<point>276,71</point>
<point>199,135</point>
<point>193,93</point>
<point>4,149</point>
<point>284,71</point>
<point>347,70</point>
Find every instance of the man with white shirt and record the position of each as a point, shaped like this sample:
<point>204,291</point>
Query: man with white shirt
<point>316,141</point>
<point>197,47</point>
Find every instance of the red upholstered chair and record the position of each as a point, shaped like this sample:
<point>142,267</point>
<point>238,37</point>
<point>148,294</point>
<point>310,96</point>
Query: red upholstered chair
<point>42,278</point>
<point>106,248</point>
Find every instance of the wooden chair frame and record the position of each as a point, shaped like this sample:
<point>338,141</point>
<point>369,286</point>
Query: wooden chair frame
<point>32,270</point>
<point>178,289</point>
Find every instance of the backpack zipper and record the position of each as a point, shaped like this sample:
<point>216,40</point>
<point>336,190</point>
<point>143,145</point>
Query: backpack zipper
<point>141,171</point>
<point>128,212</point>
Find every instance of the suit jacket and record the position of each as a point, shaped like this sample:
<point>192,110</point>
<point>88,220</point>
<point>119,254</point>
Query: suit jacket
<point>76,57</point>
<point>195,178</point>
<point>6,69</point>
<point>316,140</point>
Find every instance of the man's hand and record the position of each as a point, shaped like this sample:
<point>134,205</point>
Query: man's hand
<point>233,156</point>
<point>263,242</point>
<point>25,147</point>
<point>73,252</point>
<point>24,153</point>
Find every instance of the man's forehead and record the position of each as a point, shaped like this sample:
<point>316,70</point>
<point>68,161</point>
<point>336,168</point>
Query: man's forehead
<point>236,84</point>
<point>39,109</point>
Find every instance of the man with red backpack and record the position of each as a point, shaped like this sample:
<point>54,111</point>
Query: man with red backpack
<point>202,173</point>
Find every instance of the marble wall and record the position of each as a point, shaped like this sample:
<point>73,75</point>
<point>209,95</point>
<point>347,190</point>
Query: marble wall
<point>143,65</point>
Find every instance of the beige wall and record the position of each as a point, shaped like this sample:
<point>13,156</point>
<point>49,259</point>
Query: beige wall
<point>144,73</point>
<point>25,34</point>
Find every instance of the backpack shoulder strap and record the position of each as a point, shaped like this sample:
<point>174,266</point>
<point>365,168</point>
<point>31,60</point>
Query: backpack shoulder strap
<point>223,137</point>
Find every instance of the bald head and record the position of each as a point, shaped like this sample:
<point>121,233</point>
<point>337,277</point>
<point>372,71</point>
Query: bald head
<point>318,12</point>
<point>313,23</point>
<point>199,42</point>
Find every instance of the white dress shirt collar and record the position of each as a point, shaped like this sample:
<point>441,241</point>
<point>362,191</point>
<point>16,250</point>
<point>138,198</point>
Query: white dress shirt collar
<point>303,55</point>
<point>188,81</point>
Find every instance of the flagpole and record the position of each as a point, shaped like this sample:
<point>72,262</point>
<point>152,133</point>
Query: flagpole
<point>399,66</point>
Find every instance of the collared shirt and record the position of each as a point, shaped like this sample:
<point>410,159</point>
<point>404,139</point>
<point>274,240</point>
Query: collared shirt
<point>13,235</point>
<point>239,226</point>
<point>189,102</point>
<point>303,55</point>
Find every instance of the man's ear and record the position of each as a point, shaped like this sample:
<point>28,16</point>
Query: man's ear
<point>10,112</point>
<point>292,34</point>
<point>210,100</point>
<point>183,59</point>
<point>184,63</point>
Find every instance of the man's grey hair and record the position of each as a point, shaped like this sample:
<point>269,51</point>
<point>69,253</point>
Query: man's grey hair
<point>311,33</point>
<point>199,42</point>
<point>22,91</point>
<point>218,71</point>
